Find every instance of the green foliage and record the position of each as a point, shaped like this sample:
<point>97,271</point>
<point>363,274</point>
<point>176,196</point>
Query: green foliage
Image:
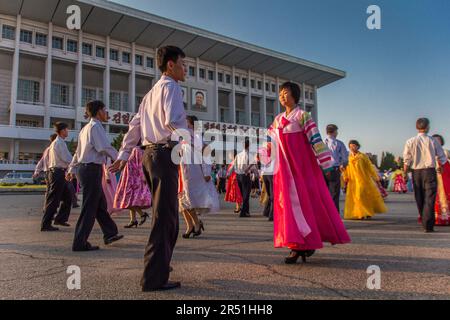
<point>117,142</point>
<point>388,161</point>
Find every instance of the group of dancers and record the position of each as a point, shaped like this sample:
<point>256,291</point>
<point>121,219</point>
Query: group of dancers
<point>301,197</point>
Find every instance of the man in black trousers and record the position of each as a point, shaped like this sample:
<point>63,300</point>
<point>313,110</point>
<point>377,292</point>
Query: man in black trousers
<point>242,167</point>
<point>92,152</point>
<point>58,193</point>
<point>340,157</point>
<point>267,174</point>
<point>420,155</point>
<point>159,122</point>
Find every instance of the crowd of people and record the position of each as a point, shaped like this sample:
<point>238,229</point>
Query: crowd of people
<point>301,197</point>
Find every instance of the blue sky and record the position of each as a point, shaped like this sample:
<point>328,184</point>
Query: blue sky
<point>394,75</point>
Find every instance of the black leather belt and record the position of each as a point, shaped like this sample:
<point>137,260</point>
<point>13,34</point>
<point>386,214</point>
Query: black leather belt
<point>168,145</point>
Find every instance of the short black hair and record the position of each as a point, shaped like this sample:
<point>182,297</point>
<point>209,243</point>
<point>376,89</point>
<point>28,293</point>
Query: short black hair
<point>168,53</point>
<point>332,128</point>
<point>355,142</point>
<point>60,126</point>
<point>191,119</point>
<point>93,107</point>
<point>247,143</point>
<point>422,123</point>
<point>293,88</point>
<point>439,137</point>
<point>201,93</point>
<point>53,137</point>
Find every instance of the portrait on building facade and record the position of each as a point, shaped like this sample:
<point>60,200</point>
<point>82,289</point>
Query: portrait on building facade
<point>199,98</point>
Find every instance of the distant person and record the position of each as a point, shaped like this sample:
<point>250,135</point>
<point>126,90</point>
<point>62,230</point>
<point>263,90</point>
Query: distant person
<point>340,157</point>
<point>443,194</point>
<point>243,167</point>
<point>423,154</point>
<point>42,165</point>
<point>363,198</point>
<point>59,194</point>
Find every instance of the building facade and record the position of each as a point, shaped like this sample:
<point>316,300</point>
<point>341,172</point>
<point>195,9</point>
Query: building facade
<point>48,73</point>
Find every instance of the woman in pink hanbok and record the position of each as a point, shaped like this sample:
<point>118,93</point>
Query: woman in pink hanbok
<point>133,192</point>
<point>304,213</point>
<point>109,185</point>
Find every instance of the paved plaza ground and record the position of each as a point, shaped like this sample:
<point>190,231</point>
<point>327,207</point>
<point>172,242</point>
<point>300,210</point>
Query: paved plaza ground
<point>234,259</point>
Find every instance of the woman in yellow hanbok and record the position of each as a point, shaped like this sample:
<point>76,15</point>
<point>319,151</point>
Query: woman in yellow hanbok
<point>363,198</point>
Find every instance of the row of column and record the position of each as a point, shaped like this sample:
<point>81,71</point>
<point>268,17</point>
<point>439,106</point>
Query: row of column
<point>78,76</point>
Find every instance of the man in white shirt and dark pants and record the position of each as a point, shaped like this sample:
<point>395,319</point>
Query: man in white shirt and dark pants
<point>92,152</point>
<point>242,167</point>
<point>161,115</point>
<point>421,154</point>
<point>58,192</point>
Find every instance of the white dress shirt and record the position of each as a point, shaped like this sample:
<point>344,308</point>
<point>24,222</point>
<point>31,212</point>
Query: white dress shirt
<point>58,154</point>
<point>161,112</point>
<point>93,146</point>
<point>42,165</point>
<point>242,164</point>
<point>422,151</point>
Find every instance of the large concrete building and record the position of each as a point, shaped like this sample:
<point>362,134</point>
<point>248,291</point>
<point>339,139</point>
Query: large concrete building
<point>48,72</point>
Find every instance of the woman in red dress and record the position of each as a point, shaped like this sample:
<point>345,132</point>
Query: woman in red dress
<point>443,195</point>
<point>233,193</point>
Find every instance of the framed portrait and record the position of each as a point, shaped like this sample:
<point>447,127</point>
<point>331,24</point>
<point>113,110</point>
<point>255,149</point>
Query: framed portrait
<point>184,90</point>
<point>199,100</point>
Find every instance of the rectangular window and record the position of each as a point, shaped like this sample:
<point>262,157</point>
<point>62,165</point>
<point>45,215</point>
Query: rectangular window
<point>202,73</point>
<point>60,95</point>
<point>267,87</point>
<point>259,85</point>
<point>114,54</point>
<point>126,57</point>
<point>311,95</point>
<point>114,100</point>
<point>237,80</point>
<point>211,75</point>
<point>274,88</point>
<point>26,36</point>
<point>28,91</point>
<point>220,76</point>
<point>41,39</point>
<point>88,95</point>
<point>87,49</point>
<point>58,43</point>
<point>244,82</point>
<point>228,79</point>
<point>150,63</point>
<point>139,60</point>
<point>125,103</point>
<point>100,52</point>
<point>8,32</point>
<point>72,46</point>
<point>252,83</point>
<point>191,71</point>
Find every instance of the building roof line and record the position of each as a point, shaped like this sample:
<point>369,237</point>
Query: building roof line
<point>139,14</point>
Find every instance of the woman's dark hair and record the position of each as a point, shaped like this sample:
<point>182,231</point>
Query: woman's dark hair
<point>168,53</point>
<point>53,137</point>
<point>422,123</point>
<point>60,126</point>
<point>293,88</point>
<point>439,137</point>
<point>355,142</point>
<point>93,107</point>
<point>191,119</point>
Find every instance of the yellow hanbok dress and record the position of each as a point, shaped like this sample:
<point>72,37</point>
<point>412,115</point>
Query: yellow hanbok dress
<point>363,198</point>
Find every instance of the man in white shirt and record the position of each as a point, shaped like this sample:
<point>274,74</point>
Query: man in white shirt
<point>92,152</point>
<point>160,114</point>
<point>242,166</point>
<point>58,193</point>
<point>421,155</point>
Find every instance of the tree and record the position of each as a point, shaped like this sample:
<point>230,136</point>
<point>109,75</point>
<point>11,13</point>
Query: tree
<point>117,142</point>
<point>388,161</point>
<point>72,146</point>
